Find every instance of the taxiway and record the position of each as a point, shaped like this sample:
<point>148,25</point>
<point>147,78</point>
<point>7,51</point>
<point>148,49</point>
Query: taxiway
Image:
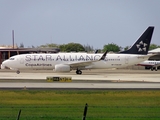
<point>95,79</point>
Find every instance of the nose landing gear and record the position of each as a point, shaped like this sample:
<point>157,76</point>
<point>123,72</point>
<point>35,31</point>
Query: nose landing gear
<point>17,71</point>
<point>79,72</point>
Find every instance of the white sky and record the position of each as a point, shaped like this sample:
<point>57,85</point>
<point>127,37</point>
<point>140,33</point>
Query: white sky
<point>92,22</point>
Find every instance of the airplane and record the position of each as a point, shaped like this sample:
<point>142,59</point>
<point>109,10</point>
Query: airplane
<point>150,64</point>
<point>65,62</point>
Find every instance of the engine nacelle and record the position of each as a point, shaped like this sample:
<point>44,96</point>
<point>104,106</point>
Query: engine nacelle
<point>62,68</point>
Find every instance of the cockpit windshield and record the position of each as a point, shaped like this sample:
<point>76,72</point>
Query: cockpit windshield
<point>11,58</point>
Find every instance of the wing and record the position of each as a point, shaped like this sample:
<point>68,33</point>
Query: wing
<point>86,63</point>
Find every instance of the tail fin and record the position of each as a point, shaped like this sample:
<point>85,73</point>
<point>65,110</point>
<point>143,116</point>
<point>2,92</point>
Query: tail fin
<point>141,46</point>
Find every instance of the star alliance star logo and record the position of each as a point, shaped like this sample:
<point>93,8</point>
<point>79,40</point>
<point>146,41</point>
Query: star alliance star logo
<point>141,46</point>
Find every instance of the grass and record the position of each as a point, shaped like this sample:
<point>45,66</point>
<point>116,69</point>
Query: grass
<point>69,105</point>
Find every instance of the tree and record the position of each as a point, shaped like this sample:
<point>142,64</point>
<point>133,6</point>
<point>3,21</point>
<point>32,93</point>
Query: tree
<point>72,47</point>
<point>111,47</point>
<point>88,48</point>
<point>127,47</point>
<point>153,46</point>
<point>21,45</point>
<point>65,47</point>
<point>62,47</point>
<point>49,46</point>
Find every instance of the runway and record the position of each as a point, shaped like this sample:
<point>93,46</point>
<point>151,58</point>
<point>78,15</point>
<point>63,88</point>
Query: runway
<point>95,79</point>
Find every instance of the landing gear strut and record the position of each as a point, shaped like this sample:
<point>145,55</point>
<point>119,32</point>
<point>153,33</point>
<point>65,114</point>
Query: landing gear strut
<point>154,68</point>
<point>79,72</point>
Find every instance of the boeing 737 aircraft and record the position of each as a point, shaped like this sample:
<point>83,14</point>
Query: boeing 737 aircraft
<point>150,64</point>
<point>65,62</point>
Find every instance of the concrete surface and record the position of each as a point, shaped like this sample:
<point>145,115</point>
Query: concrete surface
<point>95,79</point>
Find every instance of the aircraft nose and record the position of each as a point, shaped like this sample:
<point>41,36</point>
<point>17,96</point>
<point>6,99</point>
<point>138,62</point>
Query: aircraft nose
<point>4,64</point>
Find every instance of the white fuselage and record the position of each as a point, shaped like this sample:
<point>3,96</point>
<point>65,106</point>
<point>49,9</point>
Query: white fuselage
<point>48,61</point>
<point>149,63</point>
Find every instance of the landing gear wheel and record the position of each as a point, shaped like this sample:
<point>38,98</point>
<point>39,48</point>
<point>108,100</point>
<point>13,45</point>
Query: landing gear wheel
<point>18,72</point>
<point>79,72</point>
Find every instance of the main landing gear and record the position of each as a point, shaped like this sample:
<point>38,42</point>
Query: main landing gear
<point>79,72</point>
<point>154,68</point>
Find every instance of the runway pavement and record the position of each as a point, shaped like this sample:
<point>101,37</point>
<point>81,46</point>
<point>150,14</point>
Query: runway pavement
<point>95,79</point>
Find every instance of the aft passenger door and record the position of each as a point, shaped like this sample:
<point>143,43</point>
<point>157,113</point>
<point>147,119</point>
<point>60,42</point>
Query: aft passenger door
<point>127,59</point>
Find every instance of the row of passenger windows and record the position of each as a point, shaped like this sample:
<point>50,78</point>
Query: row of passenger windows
<point>83,59</point>
<point>154,62</point>
<point>113,60</point>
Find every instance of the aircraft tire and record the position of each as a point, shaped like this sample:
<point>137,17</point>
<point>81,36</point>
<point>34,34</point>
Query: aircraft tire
<point>18,72</point>
<point>79,72</point>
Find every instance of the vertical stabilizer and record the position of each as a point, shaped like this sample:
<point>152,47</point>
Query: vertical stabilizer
<point>141,46</point>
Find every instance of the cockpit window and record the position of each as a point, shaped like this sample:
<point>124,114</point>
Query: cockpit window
<point>11,58</point>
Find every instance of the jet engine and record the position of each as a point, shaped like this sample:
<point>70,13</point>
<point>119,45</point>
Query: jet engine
<point>62,68</point>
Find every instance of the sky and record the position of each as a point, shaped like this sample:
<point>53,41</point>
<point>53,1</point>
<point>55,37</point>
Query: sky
<point>88,22</point>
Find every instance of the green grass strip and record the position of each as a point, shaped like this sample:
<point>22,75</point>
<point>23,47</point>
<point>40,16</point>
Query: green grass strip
<point>69,104</point>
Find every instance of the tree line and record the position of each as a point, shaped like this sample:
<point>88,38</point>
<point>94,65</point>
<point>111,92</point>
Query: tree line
<point>76,47</point>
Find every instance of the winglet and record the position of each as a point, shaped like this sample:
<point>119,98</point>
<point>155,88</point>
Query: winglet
<point>104,55</point>
<point>96,52</point>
